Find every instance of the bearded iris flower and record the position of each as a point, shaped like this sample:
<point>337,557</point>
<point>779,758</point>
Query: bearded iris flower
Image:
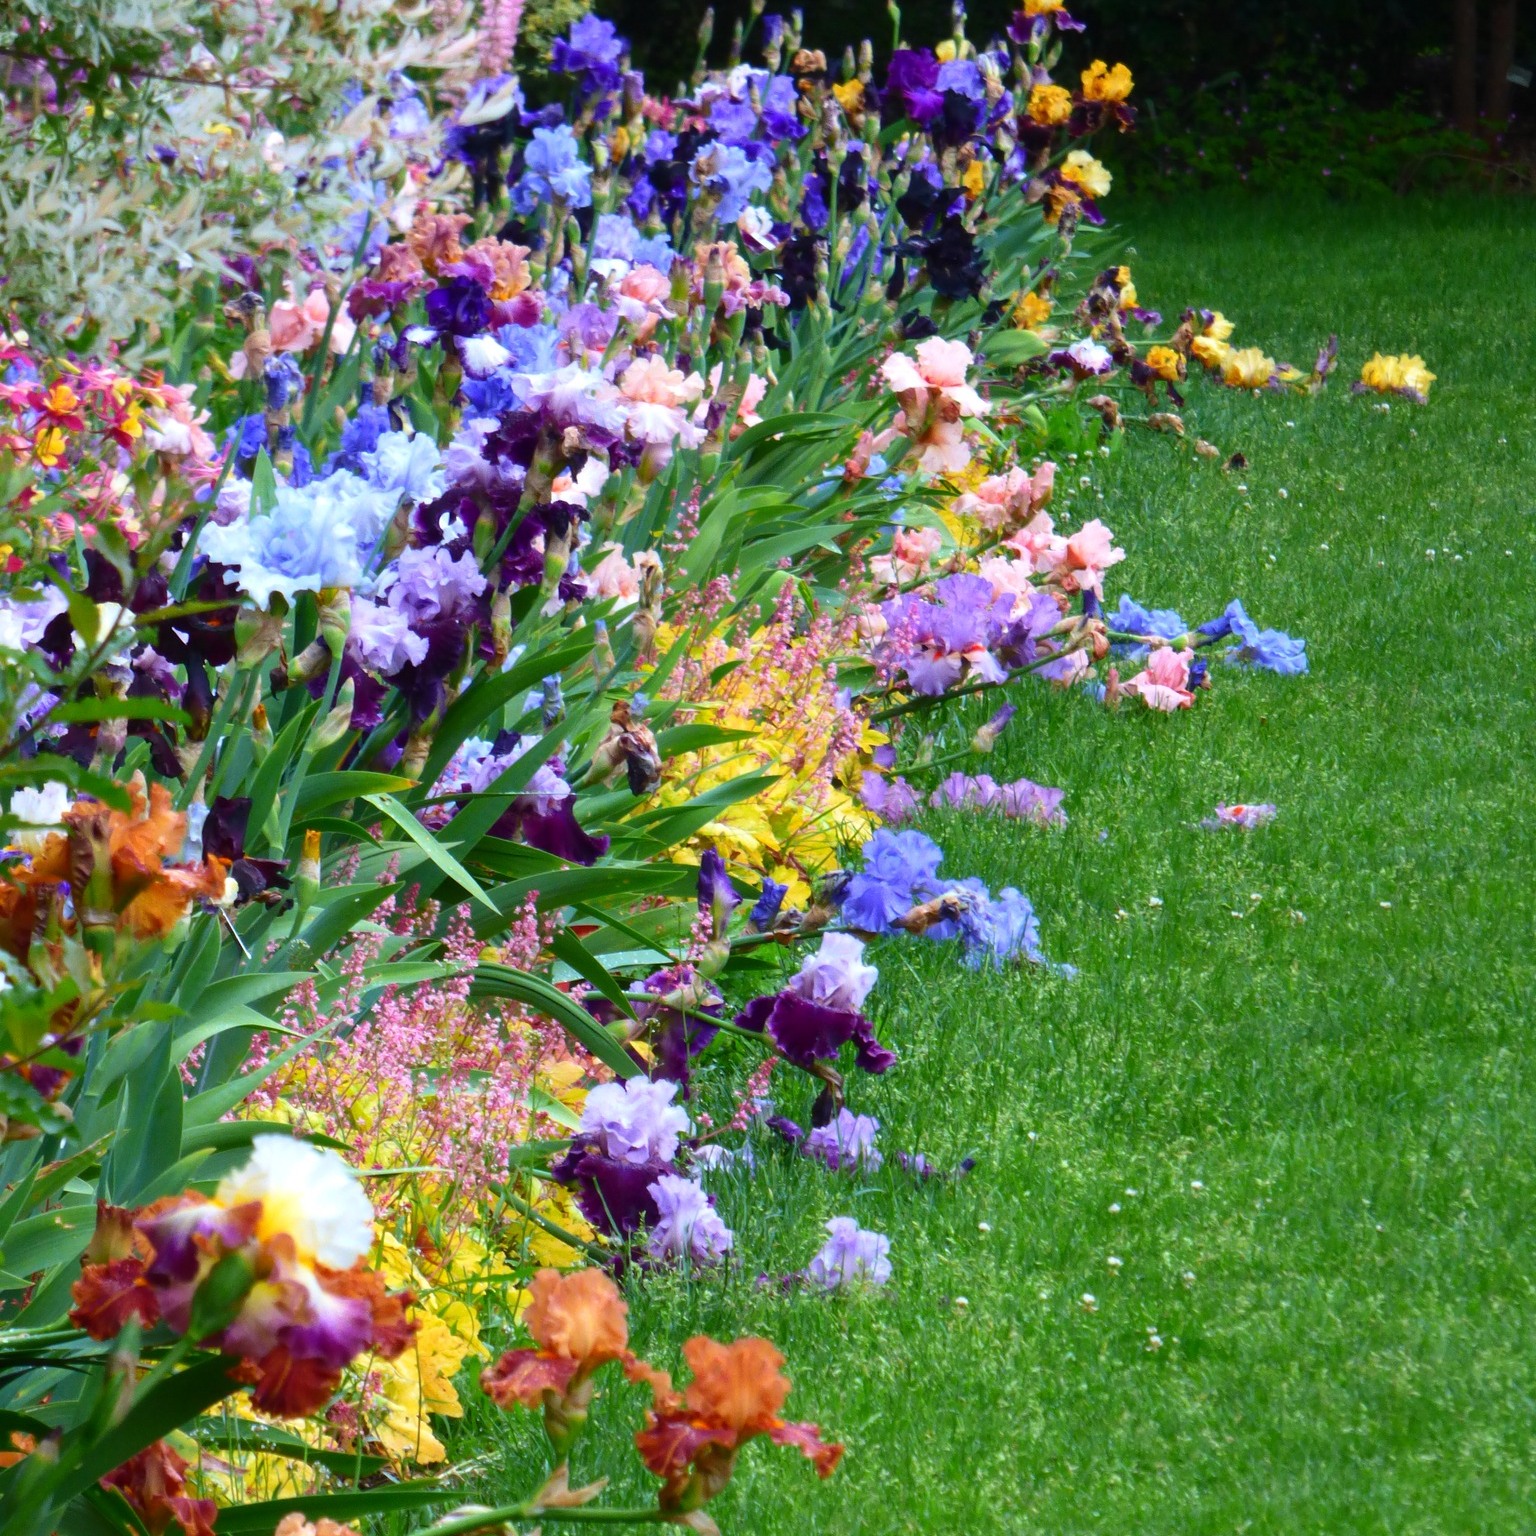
<point>295,1217</point>
<point>850,1258</point>
<point>553,171</point>
<point>1270,650</point>
<point>1403,375</point>
<point>687,1226</point>
<point>817,1014</point>
<point>693,1438</point>
<point>846,1142</point>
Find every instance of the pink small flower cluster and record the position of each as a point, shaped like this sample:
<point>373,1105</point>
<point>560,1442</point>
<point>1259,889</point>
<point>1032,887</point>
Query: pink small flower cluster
<point>500,22</point>
<point>424,1075</point>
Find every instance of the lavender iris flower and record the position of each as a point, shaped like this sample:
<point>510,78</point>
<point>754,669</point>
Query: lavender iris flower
<point>734,121</point>
<point>381,638</point>
<point>836,975</point>
<point>427,583</point>
<point>1271,650</point>
<point>553,168</point>
<point>900,870</point>
<point>732,174</point>
<point>847,1143</point>
<point>1132,618</point>
<point>634,1121</point>
<point>963,77</point>
<point>998,929</point>
<point>688,1224</point>
<point>851,1257</point>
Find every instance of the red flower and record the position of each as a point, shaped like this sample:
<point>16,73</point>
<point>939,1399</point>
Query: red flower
<point>154,1484</point>
<point>107,1295</point>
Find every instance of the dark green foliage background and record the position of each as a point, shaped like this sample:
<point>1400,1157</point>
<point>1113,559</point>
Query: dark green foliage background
<point>1231,92</point>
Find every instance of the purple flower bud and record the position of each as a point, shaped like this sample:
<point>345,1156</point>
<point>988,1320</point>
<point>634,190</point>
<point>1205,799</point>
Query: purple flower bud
<point>986,735</point>
<point>717,895</point>
<point>765,910</point>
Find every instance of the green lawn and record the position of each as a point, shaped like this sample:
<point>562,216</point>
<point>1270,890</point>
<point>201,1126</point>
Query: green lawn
<point>1291,1089</point>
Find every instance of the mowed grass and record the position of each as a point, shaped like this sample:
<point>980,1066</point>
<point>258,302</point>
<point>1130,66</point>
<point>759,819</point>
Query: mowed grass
<point>1290,1089</point>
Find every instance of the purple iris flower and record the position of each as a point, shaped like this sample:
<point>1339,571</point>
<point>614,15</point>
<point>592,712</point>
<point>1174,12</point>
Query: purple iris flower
<point>458,307</point>
<point>553,168</point>
<point>634,1121</point>
<point>734,121</point>
<point>805,1032</point>
<point>592,50</point>
<point>1021,800</point>
<point>900,870</point>
<point>851,1257</point>
<point>814,209</point>
<point>717,895</point>
<point>733,174</point>
<point>489,397</point>
<point>679,1020</point>
<point>361,435</point>
<point>614,1196</point>
<point>1000,928</point>
<point>687,1224</point>
<point>892,800</point>
<point>1271,650</point>
<point>911,82</point>
<point>586,328</point>
<point>429,583</point>
<point>617,238</point>
<point>963,77</point>
<point>846,1143</point>
<point>1131,617</point>
<point>780,117</point>
<point>553,830</point>
<point>659,145</point>
<point>1024,29</point>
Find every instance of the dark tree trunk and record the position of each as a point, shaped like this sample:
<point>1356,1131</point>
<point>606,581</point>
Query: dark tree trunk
<point>1501,58</point>
<point>1464,65</point>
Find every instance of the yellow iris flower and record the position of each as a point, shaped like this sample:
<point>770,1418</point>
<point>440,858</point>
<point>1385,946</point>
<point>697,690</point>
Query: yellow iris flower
<point>1101,83</point>
<point>1399,372</point>
<point>1082,170</point>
